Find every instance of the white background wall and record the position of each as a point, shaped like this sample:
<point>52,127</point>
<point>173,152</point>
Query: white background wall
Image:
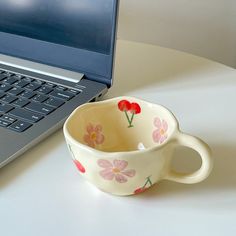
<point>203,27</point>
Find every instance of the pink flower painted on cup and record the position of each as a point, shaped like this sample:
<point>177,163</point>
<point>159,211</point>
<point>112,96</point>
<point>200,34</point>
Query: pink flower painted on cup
<point>94,135</point>
<point>160,134</point>
<point>115,169</point>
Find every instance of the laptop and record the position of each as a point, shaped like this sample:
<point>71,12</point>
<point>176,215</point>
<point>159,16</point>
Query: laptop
<point>54,56</point>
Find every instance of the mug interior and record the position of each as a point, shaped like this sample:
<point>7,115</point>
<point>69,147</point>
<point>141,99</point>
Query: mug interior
<point>121,125</point>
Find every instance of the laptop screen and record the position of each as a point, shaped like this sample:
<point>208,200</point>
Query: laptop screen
<point>76,35</point>
<point>84,24</point>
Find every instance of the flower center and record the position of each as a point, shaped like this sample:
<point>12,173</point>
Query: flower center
<point>93,136</point>
<point>162,131</point>
<point>116,170</point>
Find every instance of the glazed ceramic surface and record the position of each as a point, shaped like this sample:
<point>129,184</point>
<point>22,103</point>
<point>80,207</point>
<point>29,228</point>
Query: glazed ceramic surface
<point>124,145</point>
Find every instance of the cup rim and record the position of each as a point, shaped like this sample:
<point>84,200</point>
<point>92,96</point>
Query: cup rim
<point>93,150</point>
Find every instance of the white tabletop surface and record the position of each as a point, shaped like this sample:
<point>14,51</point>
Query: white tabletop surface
<point>42,193</point>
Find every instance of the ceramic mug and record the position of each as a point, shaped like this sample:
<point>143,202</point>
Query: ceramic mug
<point>124,145</point>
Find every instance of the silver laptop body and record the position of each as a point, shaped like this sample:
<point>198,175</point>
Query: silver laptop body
<point>50,64</point>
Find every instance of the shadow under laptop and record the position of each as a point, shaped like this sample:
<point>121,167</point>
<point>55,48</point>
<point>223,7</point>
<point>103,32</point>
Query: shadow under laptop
<point>29,159</point>
<point>221,180</point>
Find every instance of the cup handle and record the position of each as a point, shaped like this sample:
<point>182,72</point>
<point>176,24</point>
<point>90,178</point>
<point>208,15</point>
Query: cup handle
<point>205,154</point>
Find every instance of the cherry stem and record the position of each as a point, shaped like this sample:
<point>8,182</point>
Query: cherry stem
<point>147,181</point>
<point>130,121</point>
<point>71,151</point>
<point>132,117</point>
<point>127,116</point>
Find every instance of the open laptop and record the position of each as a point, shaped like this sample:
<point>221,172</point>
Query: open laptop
<point>54,56</point>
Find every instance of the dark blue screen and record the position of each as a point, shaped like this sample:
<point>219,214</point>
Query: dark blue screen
<point>84,24</point>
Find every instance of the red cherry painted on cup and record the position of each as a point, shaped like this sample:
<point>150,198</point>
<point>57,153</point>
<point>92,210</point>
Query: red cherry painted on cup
<point>79,166</point>
<point>135,108</point>
<point>124,105</point>
<point>140,190</point>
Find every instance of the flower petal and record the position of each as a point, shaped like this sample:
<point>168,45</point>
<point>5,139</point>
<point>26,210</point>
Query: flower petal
<point>88,140</point>
<point>90,128</point>
<point>164,125</point>
<point>120,164</point>
<point>129,173</point>
<point>100,138</point>
<point>107,174</point>
<point>157,122</point>
<point>163,138</point>
<point>104,163</point>
<point>120,178</point>
<point>98,128</point>
<point>156,136</point>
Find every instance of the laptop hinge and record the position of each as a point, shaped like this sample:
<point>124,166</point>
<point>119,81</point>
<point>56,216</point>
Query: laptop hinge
<point>41,68</point>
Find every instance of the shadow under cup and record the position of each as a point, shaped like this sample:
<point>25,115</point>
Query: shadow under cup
<point>121,125</point>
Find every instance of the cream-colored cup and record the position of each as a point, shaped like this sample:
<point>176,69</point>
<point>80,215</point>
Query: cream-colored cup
<point>125,145</point>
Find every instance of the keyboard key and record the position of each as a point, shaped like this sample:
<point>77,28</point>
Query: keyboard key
<point>18,76</point>
<point>50,85</point>
<point>73,91</point>
<point>32,86</point>
<point>16,91</point>
<point>62,94</point>
<point>55,102</point>
<point>61,88</point>
<point>2,94</point>
<point>20,102</point>
<point>4,123</point>
<point>44,89</point>
<point>2,77</point>
<point>41,108</point>
<point>28,94</point>
<point>21,83</point>
<point>4,108</point>
<point>28,79</point>
<point>40,82</point>
<point>2,71</point>
<point>20,126</point>
<point>10,80</point>
<point>26,115</point>
<point>8,73</point>
<point>5,87</point>
<point>8,98</point>
<point>8,118</point>
<point>40,98</point>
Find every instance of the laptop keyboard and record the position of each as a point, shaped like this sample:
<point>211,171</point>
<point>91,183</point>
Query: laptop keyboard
<point>24,101</point>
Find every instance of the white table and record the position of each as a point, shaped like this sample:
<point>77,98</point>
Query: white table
<point>42,194</point>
